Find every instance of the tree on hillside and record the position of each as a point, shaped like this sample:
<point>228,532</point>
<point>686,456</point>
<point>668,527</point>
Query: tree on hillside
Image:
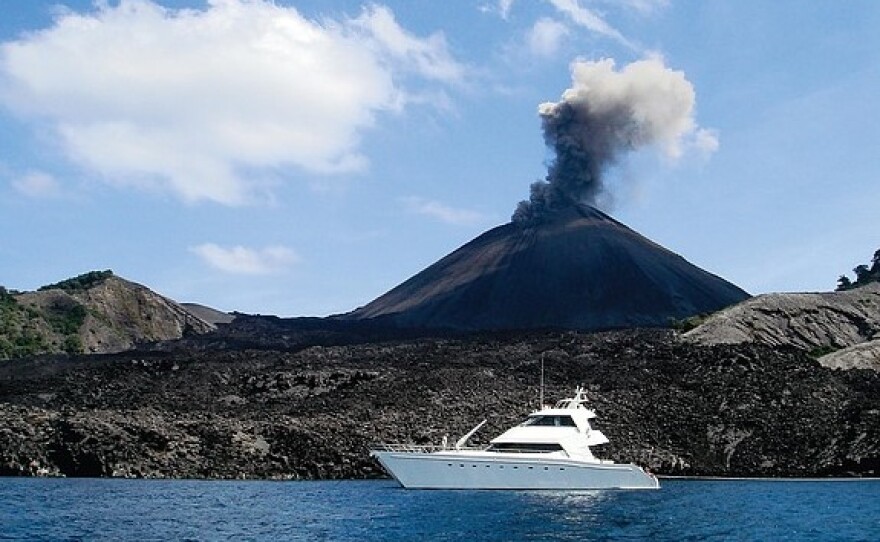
<point>79,283</point>
<point>864,274</point>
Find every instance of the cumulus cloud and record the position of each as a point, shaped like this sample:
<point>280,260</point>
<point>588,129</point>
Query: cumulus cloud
<point>241,260</point>
<point>212,103</point>
<point>442,212</point>
<point>37,184</point>
<point>545,36</point>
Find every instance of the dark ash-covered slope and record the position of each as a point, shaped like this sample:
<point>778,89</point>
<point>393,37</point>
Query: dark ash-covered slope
<point>577,268</point>
<point>676,407</point>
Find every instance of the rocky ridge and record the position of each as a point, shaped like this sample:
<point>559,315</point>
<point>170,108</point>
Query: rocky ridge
<point>864,355</point>
<point>835,322</point>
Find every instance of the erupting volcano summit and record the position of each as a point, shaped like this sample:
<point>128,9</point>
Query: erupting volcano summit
<point>562,263</point>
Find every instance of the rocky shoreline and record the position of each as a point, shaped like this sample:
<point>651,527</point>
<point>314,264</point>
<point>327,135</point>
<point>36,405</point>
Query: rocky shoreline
<point>312,412</point>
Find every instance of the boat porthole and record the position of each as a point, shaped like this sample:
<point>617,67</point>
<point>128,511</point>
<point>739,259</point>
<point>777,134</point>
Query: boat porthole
<point>546,468</point>
<point>462,465</point>
<point>530,468</point>
<point>449,464</point>
<point>474,466</point>
<point>516,467</point>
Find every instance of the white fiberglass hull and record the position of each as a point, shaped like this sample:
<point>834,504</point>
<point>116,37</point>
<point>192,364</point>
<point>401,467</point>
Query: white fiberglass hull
<point>462,470</point>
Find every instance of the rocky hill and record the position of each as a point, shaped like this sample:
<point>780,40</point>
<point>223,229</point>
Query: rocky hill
<point>820,323</point>
<point>576,268</point>
<point>96,312</point>
<point>312,411</point>
<point>864,355</point>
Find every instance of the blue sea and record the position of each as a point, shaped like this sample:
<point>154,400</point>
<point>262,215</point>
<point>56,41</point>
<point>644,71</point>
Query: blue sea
<point>94,509</point>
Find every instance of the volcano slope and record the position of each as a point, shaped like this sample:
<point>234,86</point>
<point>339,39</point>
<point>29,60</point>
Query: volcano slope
<point>576,268</point>
<point>312,411</point>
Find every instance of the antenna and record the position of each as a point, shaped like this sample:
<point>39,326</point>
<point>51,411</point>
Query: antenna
<point>541,396</point>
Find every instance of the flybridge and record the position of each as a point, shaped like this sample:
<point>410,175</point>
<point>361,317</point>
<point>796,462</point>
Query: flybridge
<point>574,403</point>
<point>559,415</point>
<point>567,422</point>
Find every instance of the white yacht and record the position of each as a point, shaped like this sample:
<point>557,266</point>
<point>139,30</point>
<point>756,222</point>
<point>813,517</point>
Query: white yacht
<point>549,450</point>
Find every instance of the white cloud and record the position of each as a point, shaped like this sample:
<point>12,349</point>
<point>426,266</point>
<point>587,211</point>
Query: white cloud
<point>595,21</point>
<point>37,184</point>
<point>501,7</point>
<point>504,7</point>
<point>705,141</point>
<point>645,7</point>
<point>545,36</point>
<point>442,212</point>
<point>429,57</point>
<point>590,20</point>
<point>210,103</point>
<point>246,261</point>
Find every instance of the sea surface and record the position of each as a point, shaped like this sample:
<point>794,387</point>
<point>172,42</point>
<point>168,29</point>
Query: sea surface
<point>94,509</point>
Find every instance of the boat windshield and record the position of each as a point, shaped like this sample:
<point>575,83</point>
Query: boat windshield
<point>552,421</point>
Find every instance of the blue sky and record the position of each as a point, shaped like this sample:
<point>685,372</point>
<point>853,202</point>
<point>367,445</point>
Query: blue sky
<point>302,158</point>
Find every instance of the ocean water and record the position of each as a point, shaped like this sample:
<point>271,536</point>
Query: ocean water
<point>92,509</point>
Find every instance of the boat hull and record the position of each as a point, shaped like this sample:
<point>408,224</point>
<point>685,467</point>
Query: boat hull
<point>454,470</point>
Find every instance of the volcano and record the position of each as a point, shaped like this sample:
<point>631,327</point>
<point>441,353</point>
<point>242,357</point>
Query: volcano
<point>576,268</point>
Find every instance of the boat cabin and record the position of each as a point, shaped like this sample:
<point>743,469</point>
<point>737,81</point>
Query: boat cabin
<point>563,429</point>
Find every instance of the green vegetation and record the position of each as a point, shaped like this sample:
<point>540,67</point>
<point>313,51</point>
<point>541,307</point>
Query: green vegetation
<point>686,324</point>
<point>820,351</point>
<point>66,319</point>
<point>79,283</point>
<point>72,344</point>
<point>864,275</point>
<point>19,336</point>
<point>23,329</point>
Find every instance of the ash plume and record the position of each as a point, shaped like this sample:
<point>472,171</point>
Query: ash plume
<point>605,114</point>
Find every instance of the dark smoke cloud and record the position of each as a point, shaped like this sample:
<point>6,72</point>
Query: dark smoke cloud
<point>604,115</point>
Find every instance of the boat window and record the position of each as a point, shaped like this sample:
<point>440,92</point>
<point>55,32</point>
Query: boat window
<point>552,421</point>
<point>528,447</point>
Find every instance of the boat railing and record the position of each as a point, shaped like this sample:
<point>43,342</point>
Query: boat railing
<point>431,448</point>
<point>416,448</point>
<point>525,451</point>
